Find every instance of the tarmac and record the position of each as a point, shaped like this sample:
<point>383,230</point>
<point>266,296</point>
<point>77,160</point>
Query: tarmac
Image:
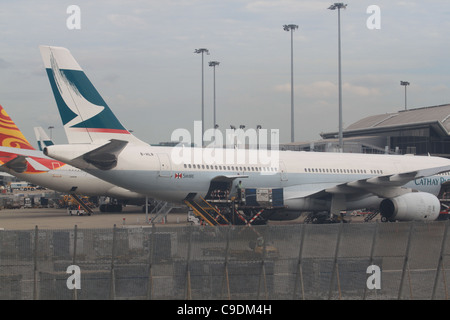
<point>51,218</point>
<point>131,216</point>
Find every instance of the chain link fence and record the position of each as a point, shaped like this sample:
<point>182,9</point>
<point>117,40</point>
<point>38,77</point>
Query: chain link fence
<point>335,261</point>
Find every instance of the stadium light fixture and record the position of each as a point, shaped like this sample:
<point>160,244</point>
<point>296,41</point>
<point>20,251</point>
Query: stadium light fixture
<point>339,6</point>
<point>202,51</point>
<point>291,28</point>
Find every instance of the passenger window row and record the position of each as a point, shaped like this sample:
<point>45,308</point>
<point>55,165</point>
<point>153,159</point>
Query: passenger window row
<point>321,170</point>
<point>229,168</point>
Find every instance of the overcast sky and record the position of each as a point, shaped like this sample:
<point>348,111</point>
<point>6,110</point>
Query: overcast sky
<point>140,56</point>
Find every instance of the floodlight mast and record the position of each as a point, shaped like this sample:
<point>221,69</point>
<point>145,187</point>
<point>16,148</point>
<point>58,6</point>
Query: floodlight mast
<point>339,6</point>
<point>202,51</point>
<point>51,128</point>
<point>214,64</point>
<point>291,28</point>
<point>405,84</point>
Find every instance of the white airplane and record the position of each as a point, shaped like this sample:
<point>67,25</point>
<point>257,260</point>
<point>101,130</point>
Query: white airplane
<point>401,187</point>
<point>19,158</point>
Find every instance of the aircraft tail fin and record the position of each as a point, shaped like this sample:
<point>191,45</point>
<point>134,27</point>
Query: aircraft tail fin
<point>10,135</point>
<point>42,138</point>
<point>85,115</point>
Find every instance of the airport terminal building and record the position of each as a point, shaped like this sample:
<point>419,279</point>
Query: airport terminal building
<point>418,131</point>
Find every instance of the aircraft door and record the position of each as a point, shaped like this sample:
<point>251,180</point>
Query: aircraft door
<point>283,171</point>
<point>165,168</point>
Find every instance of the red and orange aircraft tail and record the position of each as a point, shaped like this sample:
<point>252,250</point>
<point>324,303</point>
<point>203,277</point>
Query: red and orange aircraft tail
<point>10,135</point>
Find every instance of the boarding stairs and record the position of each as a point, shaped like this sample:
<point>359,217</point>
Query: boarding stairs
<point>204,210</point>
<point>81,203</point>
<point>161,210</point>
<point>371,215</point>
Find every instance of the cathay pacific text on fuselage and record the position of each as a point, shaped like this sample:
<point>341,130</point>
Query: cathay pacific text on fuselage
<point>431,181</point>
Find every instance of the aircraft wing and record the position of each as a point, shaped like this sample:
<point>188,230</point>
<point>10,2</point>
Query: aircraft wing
<point>37,166</point>
<point>19,163</point>
<point>385,186</point>
<point>105,156</point>
<point>17,151</point>
<point>17,159</point>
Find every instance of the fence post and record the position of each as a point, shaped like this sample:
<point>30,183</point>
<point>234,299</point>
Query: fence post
<point>299,272</point>
<point>441,263</point>
<point>75,236</point>
<point>226,280</point>
<point>263,269</point>
<point>335,270</point>
<point>35,268</point>
<point>112,293</point>
<point>405,261</point>
<point>150,263</point>
<point>188,267</point>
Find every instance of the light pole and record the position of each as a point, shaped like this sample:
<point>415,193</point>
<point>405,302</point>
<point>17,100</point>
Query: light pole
<point>291,27</point>
<point>339,6</point>
<point>202,51</point>
<point>214,64</point>
<point>50,128</point>
<point>405,84</point>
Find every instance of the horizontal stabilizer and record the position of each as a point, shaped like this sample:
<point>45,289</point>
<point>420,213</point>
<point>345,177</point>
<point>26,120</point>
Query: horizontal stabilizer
<point>36,165</point>
<point>18,164</point>
<point>105,157</point>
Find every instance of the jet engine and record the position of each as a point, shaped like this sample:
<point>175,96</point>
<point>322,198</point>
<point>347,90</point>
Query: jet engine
<point>411,206</point>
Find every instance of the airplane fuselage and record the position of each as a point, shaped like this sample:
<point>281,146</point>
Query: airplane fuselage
<point>159,173</point>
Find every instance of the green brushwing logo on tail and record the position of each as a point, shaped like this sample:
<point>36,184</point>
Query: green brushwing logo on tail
<point>79,103</point>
